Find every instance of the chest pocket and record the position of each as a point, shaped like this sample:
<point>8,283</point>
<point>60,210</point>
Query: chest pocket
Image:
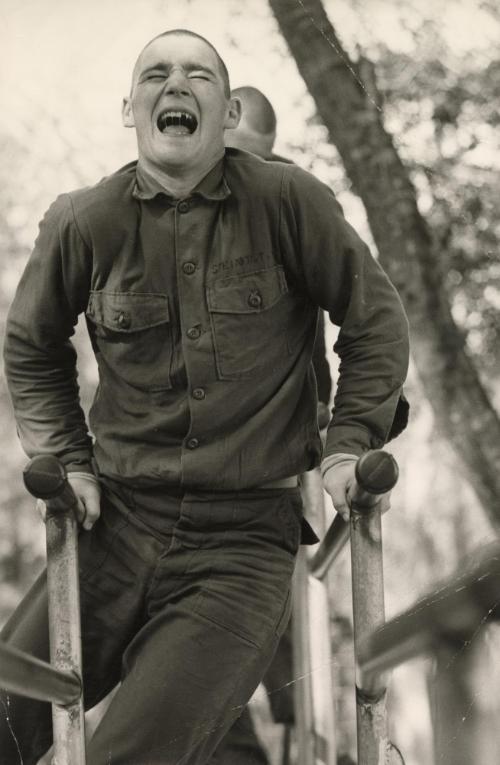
<point>132,334</point>
<point>248,315</point>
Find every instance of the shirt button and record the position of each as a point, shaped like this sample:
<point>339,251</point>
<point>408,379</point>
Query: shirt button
<point>123,320</point>
<point>193,443</point>
<point>183,207</point>
<point>189,268</point>
<point>255,299</point>
<point>199,394</point>
<point>193,333</point>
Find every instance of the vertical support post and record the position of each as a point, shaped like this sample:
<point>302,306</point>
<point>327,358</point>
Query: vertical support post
<point>312,649</point>
<point>368,614</point>
<point>304,720</point>
<point>376,473</point>
<point>45,478</point>
<point>65,636</point>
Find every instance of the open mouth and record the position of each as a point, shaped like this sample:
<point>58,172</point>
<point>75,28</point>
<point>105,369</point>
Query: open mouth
<point>176,122</point>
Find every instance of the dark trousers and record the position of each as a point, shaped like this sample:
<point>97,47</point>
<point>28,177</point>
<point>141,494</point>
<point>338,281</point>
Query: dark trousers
<point>241,745</point>
<point>183,601</point>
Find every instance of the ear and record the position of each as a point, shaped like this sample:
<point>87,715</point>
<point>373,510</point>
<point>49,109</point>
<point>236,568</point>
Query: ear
<point>127,113</point>
<point>234,113</point>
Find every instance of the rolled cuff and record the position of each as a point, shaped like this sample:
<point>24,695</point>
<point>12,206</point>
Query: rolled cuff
<point>334,460</point>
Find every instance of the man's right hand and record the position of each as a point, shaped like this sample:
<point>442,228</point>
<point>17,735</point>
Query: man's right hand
<point>340,482</point>
<point>88,495</point>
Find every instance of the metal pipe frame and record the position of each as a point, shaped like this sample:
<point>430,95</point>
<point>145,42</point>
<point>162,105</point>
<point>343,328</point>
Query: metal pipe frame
<point>368,614</point>
<point>314,698</point>
<point>330,548</point>
<point>376,473</point>
<point>45,477</point>
<point>454,610</point>
<point>27,676</point>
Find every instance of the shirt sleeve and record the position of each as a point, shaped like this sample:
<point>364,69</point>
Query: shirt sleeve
<point>40,360</point>
<point>339,274</point>
<point>320,363</point>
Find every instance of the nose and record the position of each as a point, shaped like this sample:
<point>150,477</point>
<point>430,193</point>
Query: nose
<point>177,82</point>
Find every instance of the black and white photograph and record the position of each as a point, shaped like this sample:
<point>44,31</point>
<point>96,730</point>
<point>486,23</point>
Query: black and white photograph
<point>250,393</point>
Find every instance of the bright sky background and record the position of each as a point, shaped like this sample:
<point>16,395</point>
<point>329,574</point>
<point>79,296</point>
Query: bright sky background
<point>66,65</point>
<point>71,60</point>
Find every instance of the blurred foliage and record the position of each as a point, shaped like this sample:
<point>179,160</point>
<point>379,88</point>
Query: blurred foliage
<point>442,107</point>
<point>446,118</point>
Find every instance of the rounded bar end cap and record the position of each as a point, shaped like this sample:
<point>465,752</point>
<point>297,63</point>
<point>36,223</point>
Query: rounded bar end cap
<point>45,477</point>
<point>377,472</point>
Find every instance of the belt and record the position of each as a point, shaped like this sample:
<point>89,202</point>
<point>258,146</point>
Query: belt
<point>281,483</point>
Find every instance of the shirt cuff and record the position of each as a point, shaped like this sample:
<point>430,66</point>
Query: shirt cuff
<point>77,461</point>
<point>87,476</point>
<point>334,460</point>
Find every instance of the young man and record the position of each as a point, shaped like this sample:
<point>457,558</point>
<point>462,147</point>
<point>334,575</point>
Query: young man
<point>200,275</point>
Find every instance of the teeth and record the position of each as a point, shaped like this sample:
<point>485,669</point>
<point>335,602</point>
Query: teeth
<point>179,118</point>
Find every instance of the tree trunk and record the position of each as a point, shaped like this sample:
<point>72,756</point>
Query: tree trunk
<point>348,107</point>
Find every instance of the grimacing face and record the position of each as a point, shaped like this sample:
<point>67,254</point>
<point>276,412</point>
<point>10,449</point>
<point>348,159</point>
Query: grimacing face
<point>178,105</point>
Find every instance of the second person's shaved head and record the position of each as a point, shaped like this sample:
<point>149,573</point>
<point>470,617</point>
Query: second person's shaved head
<point>256,131</point>
<point>258,110</point>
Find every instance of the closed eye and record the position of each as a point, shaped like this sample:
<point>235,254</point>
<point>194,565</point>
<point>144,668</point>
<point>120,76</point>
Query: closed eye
<point>198,76</point>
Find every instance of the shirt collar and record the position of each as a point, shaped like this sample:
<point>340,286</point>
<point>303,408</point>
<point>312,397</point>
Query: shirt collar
<point>213,186</point>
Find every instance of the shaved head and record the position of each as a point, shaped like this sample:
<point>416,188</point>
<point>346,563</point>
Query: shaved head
<point>186,33</point>
<point>256,131</point>
<point>257,109</point>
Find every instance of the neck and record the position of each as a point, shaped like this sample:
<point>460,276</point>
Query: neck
<point>249,140</point>
<point>178,183</point>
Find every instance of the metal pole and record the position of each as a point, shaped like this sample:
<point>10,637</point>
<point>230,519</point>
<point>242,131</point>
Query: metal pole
<point>45,477</point>
<point>331,546</point>
<point>368,613</point>
<point>376,472</point>
<point>456,609</point>
<point>312,649</point>
<point>450,622</point>
<point>24,674</point>
<point>304,721</point>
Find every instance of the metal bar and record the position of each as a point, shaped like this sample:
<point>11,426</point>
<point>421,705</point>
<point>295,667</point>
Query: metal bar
<point>325,744</point>
<point>368,613</point>
<point>314,698</point>
<point>304,722</point>
<point>45,477</point>
<point>24,674</point>
<point>65,635</point>
<point>385,658</point>
<point>333,543</point>
<point>456,609</point>
<point>376,472</point>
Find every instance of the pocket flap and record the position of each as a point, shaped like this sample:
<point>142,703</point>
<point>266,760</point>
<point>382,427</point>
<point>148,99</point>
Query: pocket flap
<point>247,293</point>
<point>128,312</point>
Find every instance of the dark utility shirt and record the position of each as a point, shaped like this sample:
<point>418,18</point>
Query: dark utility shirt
<point>202,314</point>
